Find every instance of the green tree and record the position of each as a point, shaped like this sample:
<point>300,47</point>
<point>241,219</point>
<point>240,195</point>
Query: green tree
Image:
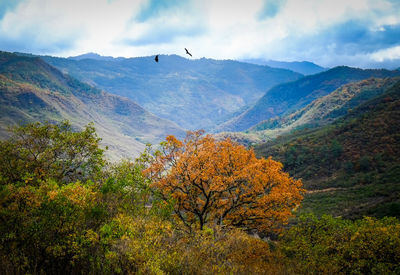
<point>39,151</point>
<point>336,149</point>
<point>127,188</point>
<point>365,163</point>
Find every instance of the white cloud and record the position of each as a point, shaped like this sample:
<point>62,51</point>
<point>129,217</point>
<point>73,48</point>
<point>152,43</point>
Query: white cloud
<point>386,54</point>
<point>93,23</point>
<point>212,28</point>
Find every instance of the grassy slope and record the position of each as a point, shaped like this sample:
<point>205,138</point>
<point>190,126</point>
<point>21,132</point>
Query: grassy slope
<point>288,97</point>
<point>350,167</point>
<point>196,93</point>
<point>31,90</point>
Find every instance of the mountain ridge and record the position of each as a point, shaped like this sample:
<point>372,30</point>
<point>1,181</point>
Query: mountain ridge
<point>303,67</point>
<point>287,97</point>
<point>326,109</point>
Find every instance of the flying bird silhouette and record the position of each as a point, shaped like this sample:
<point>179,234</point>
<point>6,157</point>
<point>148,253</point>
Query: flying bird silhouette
<point>187,52</point>
<point>156,58</point>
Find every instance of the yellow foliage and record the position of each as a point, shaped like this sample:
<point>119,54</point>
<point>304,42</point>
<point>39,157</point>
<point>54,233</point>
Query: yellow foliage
<point>223,182</point>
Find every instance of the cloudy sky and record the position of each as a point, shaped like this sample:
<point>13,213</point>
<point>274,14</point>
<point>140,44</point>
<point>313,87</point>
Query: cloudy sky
<point>363,33</point>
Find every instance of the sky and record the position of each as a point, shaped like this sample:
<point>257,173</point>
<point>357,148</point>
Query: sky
<point>358,33</point>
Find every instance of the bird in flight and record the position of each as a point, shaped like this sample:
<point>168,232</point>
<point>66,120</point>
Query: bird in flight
<point>156,58</point>
<point>187,52</point>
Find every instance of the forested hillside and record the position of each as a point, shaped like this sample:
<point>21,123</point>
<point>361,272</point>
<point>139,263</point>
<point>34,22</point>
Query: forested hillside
<point>351,168</point>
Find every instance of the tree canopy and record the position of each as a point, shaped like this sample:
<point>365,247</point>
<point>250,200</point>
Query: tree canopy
<point>220,182</point>
<point>38,151</point>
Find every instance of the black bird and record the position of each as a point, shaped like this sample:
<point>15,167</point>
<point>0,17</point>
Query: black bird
<point>187,52</point>
<point>156,58</point>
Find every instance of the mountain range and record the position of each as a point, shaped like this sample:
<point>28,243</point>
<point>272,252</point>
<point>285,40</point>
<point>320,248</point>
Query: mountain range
<point>194,93</point>
<point>32,90</point>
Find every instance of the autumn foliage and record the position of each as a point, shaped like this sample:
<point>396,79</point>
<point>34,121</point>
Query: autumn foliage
<point>220,182</point>
<point>121,218</point>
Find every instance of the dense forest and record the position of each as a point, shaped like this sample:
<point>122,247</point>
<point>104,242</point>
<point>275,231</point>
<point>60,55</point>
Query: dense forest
<point>64,209</point>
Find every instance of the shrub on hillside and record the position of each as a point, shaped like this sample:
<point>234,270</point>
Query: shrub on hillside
<point>336,246</point>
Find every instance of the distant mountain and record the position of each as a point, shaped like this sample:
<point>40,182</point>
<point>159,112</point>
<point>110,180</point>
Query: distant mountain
<point>288,97</point>
<point>326,109</point>
<point>195,93</point>
<point>302,67</point>
<point>94,56</point>
<point>32,90</point>
<point>351,167</point>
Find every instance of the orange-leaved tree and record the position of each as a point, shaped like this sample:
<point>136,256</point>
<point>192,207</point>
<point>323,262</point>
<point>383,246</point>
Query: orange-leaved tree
<point>221,182</point>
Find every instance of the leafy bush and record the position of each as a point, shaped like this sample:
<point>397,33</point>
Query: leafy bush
<point>47,228</point>
<point>336,246</point>
<point>37,151</point>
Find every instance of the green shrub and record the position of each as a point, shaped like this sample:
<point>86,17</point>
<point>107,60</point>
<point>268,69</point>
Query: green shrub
<point>336,246</point>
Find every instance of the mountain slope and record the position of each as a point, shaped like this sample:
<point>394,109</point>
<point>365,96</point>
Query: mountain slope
<point>326,109</point>
<point>32,90</point>
<point>287,97</point>
<point>198,93</point>
<point>350,167</point>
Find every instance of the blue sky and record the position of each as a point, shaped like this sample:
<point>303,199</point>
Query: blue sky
<point>362,33</point>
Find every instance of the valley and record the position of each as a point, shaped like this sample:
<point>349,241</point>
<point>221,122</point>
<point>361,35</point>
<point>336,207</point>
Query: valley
<point>32,90</point>
<point>195,94</point>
